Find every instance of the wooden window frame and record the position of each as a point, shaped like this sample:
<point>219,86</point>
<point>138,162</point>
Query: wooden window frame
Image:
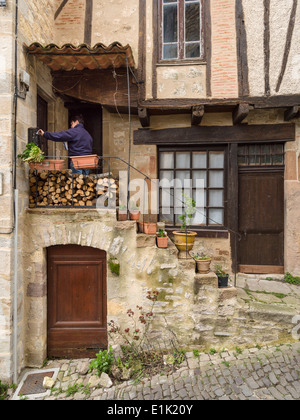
<point>181,35</point>
<point>209,230</point>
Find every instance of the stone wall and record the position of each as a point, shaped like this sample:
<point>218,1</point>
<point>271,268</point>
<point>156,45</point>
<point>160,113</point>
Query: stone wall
<point>190,306</point>
<point>35,23</point>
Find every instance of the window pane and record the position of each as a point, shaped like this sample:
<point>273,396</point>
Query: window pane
<point>192,22</point>
<point>199,160</point>
<point>166,198</point>
<point>216,198</point>
<point>199,217</point>
<point>199,179</point>
<point>183,160</point>
<point>216,160</point>
<point>166,160</point>
<point>182,175</point>
<point>165,178</point>
<point>170,51</point>
<point>170,32</point>
<point>200,198</point>
<point>192,50</point>
<point>216,179</point>
<point>178,201</point>
<point>166,217</point>
<point>216,217</point>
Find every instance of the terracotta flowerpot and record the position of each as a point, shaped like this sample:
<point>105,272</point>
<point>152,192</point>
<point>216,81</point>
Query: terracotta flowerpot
<point>122,215</point>
<point>203,266</point>
<point>48,165</point>
<point>184,242</point>
<point>85,162</point>
<point>162,241</point>
<point>134,214</point>
<point>148,228</point>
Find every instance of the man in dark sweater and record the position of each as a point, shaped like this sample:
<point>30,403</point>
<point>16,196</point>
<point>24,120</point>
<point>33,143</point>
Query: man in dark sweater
<point>80,143</point>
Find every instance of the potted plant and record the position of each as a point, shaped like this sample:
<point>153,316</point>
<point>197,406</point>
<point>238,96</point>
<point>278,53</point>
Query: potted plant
<point>162,239</point>
<point>222,277</point>
<point>122,212</point>
<point>37,161</point>
<point>184,239</point>
<point>134,212</point>
<point>147,227</point>
<point>203,263</point>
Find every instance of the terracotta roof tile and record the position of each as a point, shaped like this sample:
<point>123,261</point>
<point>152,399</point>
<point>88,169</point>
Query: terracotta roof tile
<point>70,57</point>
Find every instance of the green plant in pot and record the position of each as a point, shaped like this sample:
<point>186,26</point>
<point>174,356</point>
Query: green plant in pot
<point>162,239</point>
<point>184,239</point>
<point>222,276</point>
<point>203,263</point>
<point>32,154</point>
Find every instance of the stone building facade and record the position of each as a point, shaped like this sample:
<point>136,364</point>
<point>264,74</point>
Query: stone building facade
<point>230,90</point>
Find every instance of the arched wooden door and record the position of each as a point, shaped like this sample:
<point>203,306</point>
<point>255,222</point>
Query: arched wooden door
<point>77,301</point>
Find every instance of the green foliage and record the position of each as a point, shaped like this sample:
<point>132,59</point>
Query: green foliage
<point>190,210</point>
<point>289,278</point>
<point>114,267</point>
<point>3,391</point>
<point>103,362</point>
<point>161,233</point>
<point>32,153</point>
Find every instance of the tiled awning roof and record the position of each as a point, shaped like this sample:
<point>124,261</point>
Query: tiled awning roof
<point>69,57</point>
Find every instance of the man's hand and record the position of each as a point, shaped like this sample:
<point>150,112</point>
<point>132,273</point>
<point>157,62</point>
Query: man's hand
<point>41,132</point>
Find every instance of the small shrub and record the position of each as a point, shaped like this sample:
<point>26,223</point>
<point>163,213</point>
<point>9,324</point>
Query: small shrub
<point>103,362</point>
<point>289,278</point>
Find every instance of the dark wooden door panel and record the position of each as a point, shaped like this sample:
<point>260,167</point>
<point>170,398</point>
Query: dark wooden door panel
<point>76,301</point>
<point>261,202</point>
<point>42,122</point>
<point>261,218</point>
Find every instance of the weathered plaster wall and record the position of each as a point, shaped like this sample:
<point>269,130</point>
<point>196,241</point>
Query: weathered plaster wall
<point>280,11</point>
<point>181,81</point>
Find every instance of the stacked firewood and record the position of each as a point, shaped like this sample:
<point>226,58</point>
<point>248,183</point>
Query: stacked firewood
<point>62,188</point>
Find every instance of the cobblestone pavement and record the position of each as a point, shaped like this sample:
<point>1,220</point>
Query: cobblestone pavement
<point>268,373</point>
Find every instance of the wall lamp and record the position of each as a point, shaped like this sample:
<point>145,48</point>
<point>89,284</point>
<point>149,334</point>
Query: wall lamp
<point>3,3</point>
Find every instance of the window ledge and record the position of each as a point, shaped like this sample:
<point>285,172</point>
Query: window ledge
<point>163,63</point>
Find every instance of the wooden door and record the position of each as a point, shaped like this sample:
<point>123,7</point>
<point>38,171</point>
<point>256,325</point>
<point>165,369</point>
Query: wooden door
<point>92,115</point>
<point>261,221</point>
<point>42,122</point>
<point>77,309</point>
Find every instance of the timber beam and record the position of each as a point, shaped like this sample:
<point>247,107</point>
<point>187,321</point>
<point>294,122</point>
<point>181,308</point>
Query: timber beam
<point>292,112</point>
<point>240,112</point>
<point>197,114</point>
<point>144,117</point>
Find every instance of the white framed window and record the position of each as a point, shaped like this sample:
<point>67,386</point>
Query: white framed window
<point>181,29</point>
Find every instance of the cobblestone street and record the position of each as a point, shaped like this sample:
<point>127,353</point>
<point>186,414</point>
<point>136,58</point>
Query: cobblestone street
<point>267,373</point>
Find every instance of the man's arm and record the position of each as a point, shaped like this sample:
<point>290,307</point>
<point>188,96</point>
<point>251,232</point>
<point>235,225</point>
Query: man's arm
<point>57,136</point>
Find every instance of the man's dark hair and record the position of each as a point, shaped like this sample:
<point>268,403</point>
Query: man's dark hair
<point>78,118</point>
